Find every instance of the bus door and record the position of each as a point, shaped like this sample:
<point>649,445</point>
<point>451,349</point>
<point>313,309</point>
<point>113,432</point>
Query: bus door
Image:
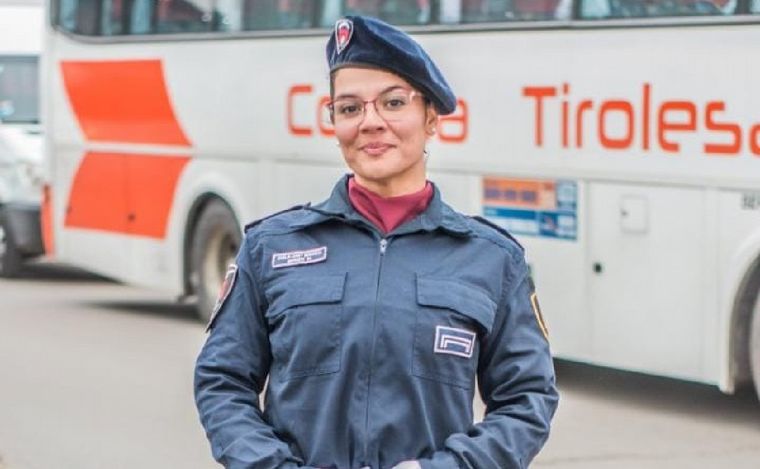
<point>648,290</point>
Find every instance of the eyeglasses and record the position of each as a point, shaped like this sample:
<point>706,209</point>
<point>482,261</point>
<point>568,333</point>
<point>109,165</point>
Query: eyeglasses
<point>392,106</point>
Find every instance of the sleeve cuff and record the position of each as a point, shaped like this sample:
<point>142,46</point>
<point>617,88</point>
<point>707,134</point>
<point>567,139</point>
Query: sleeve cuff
<point>441,460</point>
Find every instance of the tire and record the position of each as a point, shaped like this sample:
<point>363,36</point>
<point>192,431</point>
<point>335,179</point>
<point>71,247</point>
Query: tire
<point>754,347</point>
<point>11,259</point>
<point>215,242</point>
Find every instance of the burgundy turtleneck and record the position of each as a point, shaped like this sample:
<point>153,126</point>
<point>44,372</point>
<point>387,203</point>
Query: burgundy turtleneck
<point>388,213</point>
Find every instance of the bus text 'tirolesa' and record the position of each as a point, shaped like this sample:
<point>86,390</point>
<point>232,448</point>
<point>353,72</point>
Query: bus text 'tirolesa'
<point>648,125</point>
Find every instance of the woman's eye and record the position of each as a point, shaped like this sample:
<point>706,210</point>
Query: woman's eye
<point>394,103</point>
<point>348,109</point>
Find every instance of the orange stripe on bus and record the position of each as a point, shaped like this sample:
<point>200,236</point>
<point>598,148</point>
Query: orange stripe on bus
<point>124,193</point>
<point>122,101</point>
<point>46,220</point>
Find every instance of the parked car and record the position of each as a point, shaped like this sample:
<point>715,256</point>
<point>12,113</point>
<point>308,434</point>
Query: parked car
<point>20,196</point>
<point>21,145</point>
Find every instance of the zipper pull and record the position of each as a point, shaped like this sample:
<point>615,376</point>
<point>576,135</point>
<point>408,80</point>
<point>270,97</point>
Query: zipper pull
<point>383,245</point>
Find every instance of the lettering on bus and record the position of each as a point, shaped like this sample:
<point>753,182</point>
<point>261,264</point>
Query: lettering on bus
<point>723,137</point>
<point>453,128</point>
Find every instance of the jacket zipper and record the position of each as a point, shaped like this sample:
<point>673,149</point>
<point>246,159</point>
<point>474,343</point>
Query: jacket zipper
<point>383,248</point>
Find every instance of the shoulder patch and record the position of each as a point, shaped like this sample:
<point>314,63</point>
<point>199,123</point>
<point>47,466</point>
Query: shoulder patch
<point>498,228</point>
<point>224,292</point>
<point>537,309</point>
<point>291,209</point>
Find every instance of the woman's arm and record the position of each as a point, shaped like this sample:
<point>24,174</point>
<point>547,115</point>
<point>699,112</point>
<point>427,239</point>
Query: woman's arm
<point>516,380</point>
<point>229,376</point>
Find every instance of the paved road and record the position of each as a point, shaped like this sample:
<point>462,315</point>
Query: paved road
<point>98,375</point>
<point>615,420</point>
<point>95,375</point>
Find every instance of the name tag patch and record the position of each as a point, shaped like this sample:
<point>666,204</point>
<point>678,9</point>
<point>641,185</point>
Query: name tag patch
<point>459,342</point>
<point>288,259</point>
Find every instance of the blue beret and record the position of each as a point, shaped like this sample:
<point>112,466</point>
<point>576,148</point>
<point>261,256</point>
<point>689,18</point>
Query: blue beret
<point>362,40</point>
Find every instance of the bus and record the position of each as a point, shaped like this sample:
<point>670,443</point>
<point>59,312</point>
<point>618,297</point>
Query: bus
<point>21,156</point>
<point>618,140</point>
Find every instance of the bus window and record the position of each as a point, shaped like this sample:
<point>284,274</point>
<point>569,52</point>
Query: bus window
<point>534,10</point>
<point>331,11</point>
<point>18,90</point>
<point>230,15</point>
<point>403,12</point>
<point>362,7</point>
<point>184,16</point>
<point>125,17</point>
<point>754,6</point>
<point>596,9</point>
<point>80,16</point>
<point>399,12</point>
<point>479,11</point>
<point>140,17</point>
<point>278,14</point>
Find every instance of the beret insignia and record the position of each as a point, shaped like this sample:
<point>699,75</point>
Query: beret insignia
<point>344,29</point>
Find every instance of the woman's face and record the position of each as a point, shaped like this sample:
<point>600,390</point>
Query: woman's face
<point>386,155</point>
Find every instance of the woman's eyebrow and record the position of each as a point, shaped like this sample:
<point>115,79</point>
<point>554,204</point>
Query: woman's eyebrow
<point>384,90</point>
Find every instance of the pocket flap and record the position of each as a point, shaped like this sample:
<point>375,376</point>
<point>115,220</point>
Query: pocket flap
<point>464,299</point>
<point>296,291</point>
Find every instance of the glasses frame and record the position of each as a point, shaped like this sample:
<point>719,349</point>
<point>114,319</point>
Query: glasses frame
<point>365,104</point>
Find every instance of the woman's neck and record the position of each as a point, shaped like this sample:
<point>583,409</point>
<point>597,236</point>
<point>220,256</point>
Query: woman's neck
<point>387,189</point>
<point>388,213</point>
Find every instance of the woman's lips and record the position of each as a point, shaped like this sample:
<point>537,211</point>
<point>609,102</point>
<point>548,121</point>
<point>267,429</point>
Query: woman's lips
<point>375,149</point>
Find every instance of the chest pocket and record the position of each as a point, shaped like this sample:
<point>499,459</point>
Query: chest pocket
<point>304,316</point>
<point>451,318</point>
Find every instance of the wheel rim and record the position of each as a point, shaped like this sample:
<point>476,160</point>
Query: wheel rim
<point>219,254</point>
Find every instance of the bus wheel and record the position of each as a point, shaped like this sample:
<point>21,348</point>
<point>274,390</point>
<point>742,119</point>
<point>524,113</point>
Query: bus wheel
<point>10,257</point>
<point>215,243</point>
<point>754,347</point>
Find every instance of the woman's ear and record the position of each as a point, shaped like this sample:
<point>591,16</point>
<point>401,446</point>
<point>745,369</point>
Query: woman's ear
<point>431,121</point>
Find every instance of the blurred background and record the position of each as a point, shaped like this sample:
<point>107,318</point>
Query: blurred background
<point>618,140</point>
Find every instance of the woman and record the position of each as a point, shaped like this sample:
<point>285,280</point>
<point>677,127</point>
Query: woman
<point>373,313</point>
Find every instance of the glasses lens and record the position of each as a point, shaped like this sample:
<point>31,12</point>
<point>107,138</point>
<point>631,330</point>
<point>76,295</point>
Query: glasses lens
<point>346,109</point>
<point>394,101</point>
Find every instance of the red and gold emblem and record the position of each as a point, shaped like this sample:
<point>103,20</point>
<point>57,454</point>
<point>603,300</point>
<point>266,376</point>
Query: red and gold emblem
<point>344,29</point>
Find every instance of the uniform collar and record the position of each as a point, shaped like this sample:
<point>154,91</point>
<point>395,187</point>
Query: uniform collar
<point>438,215</point>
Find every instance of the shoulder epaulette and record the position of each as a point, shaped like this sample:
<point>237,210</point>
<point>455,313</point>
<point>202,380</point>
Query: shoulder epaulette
<point>291,209</point>
<point>497,228</point>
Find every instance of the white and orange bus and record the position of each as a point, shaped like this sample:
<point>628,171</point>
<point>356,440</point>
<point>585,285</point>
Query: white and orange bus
<point>618,139</point>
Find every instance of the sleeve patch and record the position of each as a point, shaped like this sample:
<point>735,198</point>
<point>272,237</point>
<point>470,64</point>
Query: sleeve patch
<point>539,316</point>
<point>224,293</point>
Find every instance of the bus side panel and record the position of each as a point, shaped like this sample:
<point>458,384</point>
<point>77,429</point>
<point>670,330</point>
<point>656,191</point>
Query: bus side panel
<point>649,291</point>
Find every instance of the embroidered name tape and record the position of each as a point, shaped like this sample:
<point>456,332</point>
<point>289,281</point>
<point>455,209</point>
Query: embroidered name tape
<point>310,256</point>
<point>459,342</point>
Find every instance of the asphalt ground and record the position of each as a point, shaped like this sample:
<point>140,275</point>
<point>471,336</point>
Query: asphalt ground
<point>98,375</point>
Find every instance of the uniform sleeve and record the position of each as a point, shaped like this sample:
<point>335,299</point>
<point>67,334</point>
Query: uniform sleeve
<point>516,380</point>
<point>229,375</point>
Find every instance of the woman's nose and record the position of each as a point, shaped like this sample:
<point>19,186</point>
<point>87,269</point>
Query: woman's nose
<point>371,119</point>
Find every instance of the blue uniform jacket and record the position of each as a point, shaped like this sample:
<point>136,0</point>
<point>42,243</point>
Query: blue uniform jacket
<point>371,345</point>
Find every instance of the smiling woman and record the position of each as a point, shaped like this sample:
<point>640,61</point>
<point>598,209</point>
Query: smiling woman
<point>382,144</point>
<point>373,314</point>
